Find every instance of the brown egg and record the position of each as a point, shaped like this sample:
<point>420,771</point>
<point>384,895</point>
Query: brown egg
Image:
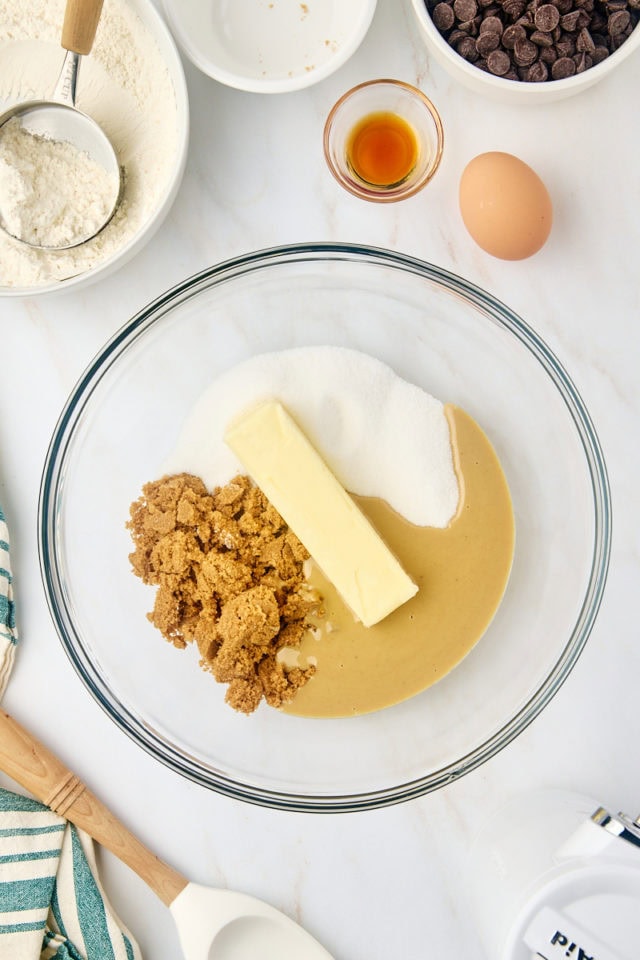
<point>505,206</point>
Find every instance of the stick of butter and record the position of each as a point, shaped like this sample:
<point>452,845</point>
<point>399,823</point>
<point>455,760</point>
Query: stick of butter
<point>298,483</point>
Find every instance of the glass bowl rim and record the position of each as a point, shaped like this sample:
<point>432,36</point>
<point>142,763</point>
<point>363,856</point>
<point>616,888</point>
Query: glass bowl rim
<point>53,476</point>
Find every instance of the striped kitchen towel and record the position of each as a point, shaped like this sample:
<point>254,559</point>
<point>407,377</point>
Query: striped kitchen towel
<point>8,633</point>
<point>52,904</point>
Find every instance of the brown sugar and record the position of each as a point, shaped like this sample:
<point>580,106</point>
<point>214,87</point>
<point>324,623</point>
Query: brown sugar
<point>229,574</point>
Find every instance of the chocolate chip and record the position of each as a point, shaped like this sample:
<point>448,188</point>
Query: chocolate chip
<point>541,39</point>
<point>499,63</point>
<point>566,47</point>
<point>467,49</point>
<point>598,23</point>
<point>599,54</point>
<point>548,55</point>
<point>584,43</point>
<point>563,67</point>
<point>569,21</point>
<point>511,34</point>
<point>469,27</point>
<point>563,6</point>
<point>525,53</point>
<point>582,61</point>
<point>465,9</point>
<point>487,42</point>
<point>526,21</point>
<point>513,9</point>
<point>491,25</point>
<point>618,22</point>
<point>547,17</point>
<point>443,17</point>
<point>538,72</point>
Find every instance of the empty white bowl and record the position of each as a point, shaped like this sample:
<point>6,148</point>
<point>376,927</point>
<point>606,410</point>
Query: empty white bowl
<point>269,46</point>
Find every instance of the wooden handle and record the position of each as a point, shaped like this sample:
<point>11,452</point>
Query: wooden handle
<point>80,24</point>
<point>30,764</point>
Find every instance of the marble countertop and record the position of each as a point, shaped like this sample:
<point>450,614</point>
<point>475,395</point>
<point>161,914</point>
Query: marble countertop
<point>389,883</point>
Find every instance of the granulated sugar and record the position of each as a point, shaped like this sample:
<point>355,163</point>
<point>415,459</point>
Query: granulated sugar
<point>125,86</point>
<point>380,436</point>
<point>51,193</point>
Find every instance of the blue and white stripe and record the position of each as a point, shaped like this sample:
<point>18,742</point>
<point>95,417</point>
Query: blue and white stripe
<point>52,904</point>
<point>30,844</point>
<point>8,633</point>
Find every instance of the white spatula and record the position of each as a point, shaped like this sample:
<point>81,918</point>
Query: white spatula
<point>212,924</point>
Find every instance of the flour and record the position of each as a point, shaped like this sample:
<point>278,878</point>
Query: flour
<point>381,436</point>
<point>125,86</point>
<point>51,193</point>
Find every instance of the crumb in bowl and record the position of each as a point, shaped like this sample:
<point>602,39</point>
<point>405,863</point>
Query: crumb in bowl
<point>230,577</point>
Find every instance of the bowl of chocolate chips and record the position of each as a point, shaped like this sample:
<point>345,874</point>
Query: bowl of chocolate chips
<point>529,51</point>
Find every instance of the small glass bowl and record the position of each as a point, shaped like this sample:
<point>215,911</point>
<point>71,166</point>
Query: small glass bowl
<point>378,97</point>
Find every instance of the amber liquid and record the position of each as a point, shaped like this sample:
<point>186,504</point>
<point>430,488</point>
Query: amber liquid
<point>382,149</point>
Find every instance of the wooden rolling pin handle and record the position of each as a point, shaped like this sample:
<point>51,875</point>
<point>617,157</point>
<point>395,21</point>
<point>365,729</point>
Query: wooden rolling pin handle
<point>64,795</point>
<point>80,24</point>
<point>33,766</point>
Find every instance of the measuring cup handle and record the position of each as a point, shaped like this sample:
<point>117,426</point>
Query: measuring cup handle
<point>80,24</point>
<point>67,83</point>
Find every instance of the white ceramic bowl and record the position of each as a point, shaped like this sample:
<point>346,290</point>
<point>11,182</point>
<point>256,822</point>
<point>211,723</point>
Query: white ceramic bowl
<point>269,47</point>
<point>150,219</point>
<point>514,91</point>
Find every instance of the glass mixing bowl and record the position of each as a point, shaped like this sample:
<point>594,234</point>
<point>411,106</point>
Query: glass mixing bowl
<point>435,330</point>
